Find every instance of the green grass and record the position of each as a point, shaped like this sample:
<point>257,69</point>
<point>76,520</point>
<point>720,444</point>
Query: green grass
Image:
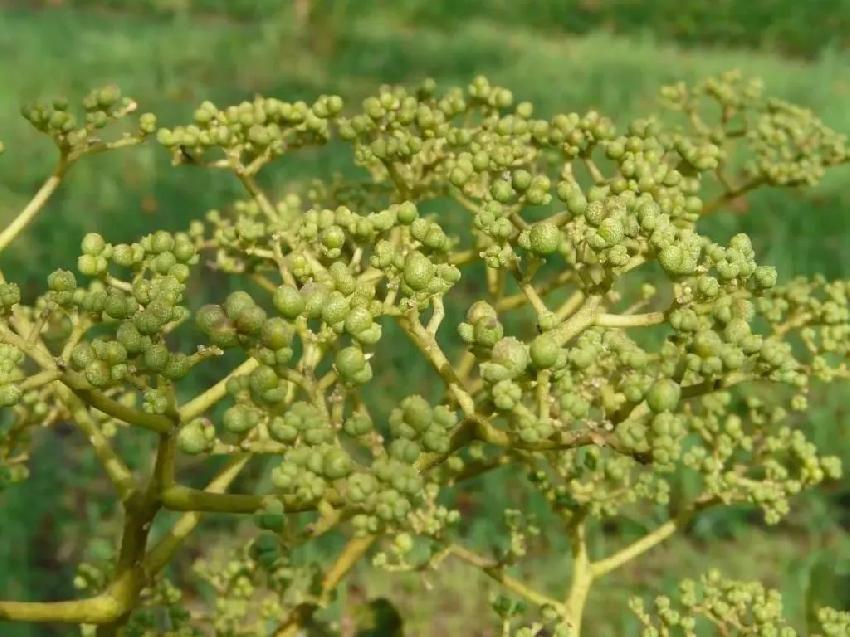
<point>169,65</point>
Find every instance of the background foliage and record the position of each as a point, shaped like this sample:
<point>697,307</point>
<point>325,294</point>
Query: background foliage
<point>563,55</point>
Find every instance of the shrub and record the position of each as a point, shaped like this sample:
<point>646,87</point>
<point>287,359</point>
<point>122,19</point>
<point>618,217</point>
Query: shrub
<point>611,347</point>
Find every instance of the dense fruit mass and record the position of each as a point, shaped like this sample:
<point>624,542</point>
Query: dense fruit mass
<point>594,387</point>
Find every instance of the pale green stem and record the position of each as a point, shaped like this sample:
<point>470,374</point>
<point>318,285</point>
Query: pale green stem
<point>571,305</point>
<point>497,572</point>
<point>93,610</point>
<point>115,468</point>
<point>211,396</point>
<point>36,204</point>
<point>575,324</point>
<point>180,498</point>
<point>161,553</point>
<point>426,342</point>
<point>648,541</point>
<point>630,320</point>
<point>582,579</point>
<point>301,614</point>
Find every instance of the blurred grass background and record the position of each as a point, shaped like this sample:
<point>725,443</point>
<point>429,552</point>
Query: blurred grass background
<point>564,55</point>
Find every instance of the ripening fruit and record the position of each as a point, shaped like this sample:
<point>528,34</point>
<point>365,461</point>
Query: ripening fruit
<point>336,464</point>
<point>358,424</point>
<point>92,244</point>
<point>240,419</point>
<point>276,333</point>
<point>155,358</point>
<point>98,373</point>
<point>352,365</point>
<point>288,301</point>
<point>418,271</point>
<point>196,436</point>
<point>236,303</point>
<point>544,351</point>
<point>9,395</point>
<point>62,281</point>
<point>544,237</point>
<point>663,395</point>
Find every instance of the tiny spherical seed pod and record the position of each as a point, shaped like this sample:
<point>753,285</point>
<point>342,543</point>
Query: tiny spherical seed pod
<point>10,395</point>
<point>251,319</point>
<point>98,373</point>
<point>314,295</point>
<point>336,308</point>
<point>92,244</point>
<point>350,363</point>
<point>358,320</point>
<point>418,271</point>
<point>511,353</point>
<point>288,301</point>
<point>544,351</point>
<point>82,355</point>
<point>336,464</point>
<point>236,303</point>
<point>282,430</point>
<point>240,419</point>
<point>155,358</point>
<point>196,436</point>
<point>277,333</point>
<point>62,281</point>
<point>358,424</point>
<point>544,238</point>
<point>663,395</point>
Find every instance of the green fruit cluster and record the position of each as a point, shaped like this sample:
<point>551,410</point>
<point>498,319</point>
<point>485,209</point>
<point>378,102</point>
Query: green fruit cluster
<point>729,605</point>
<point>606,392</point>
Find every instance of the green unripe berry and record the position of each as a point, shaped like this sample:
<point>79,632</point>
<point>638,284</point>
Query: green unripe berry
<point>352,366</point>
<point>196,436</point>
<point>405,451</point>
<point>240,419</point>
<point>288,301</point>
<point>358,320</point>
<point>92,244</point>
<point>544,238</point>
<point>82,355</point>
<point>276,333</point>
<point>418,271</point>
<point>90,265</point>
<point>10,395</point>
<point>407,213</point>
<point>130,338</point>
<point>335,309</point>
<point>210,318</point>
<point>358,424</point>
<point>114,353</point>
<point>611,231</point>
<point>251,319</point>
<point>511,353</point>
<point>10,295</point>
<point>147,123</point>
<point>281,430</point>
<point>314,296</point>
<point>62,281</point>
<point>663,395</point>
<point>177,367</point>
<point>98,373</point>
<point>336,464</point>
<point>236,303</point>
<point>502,191</point>
<point>544,351</point>
<point>155,358</point>
<point>675,260</point>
